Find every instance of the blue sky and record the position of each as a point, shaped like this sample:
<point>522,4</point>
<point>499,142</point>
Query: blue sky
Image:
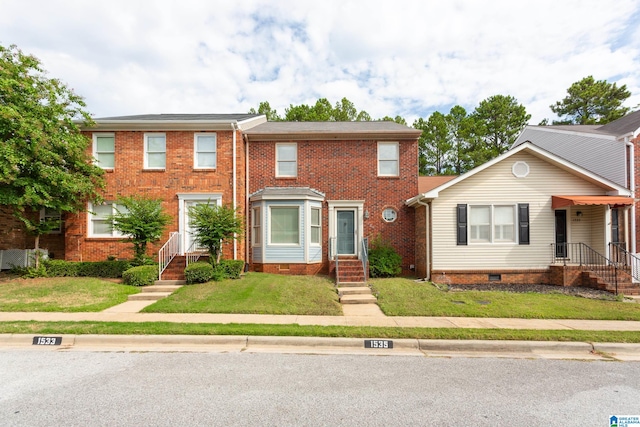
<point>406,58</point>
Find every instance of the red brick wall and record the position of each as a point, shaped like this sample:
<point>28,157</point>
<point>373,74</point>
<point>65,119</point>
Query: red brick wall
<point>128,178</point>
<point>421,241</point>
<point>347,170</point>
<point>636,168</point>
<point>508,277</point>
<point>14,236</point>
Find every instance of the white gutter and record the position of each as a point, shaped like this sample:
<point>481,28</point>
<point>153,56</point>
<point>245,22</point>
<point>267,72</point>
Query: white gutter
<point>427,257</point>
<point>247,242</point>
<point>234,127</point>
<point>632,188</point>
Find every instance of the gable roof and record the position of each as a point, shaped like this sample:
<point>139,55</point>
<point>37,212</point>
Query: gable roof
<point>280,131</point>
<point>428,183</point>
<point>161,122</point>
<point>536,151</point>
<point>629,124</point>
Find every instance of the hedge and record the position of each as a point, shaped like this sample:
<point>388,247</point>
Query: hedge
<point>109,269</point>
<point>198,272</point>
<point>142,275</point>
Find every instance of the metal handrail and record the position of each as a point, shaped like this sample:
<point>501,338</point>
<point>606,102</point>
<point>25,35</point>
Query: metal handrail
<point>168,252</point>
<point>624,258</point>
<point>192,255</point>
<point>365,258</point>
<point>585,256</point>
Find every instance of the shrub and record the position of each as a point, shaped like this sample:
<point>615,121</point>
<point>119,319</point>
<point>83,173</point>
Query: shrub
<point>61,268</point>
<point>232,268</point>
<point>198,272</point>
<point>384,261</point>
<point>142,275</point>
<point>110,269</point>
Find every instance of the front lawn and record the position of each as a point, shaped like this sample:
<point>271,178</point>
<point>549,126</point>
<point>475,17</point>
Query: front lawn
<point>64,294</point>
<point>405,297</point>
<point>255,293</point>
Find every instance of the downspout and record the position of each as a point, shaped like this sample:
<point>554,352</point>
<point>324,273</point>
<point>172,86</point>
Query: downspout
<point>427,252</point>
<point>247,243</point>
<point>234,127</point>
<point>632,187</point>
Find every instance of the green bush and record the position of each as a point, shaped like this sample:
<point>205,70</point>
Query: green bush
<point>198,272</point>
<point>61,268</point>
<point>384,261</point>
<point>110,269</point>
<point>142,275</point>
<point>231,268</point>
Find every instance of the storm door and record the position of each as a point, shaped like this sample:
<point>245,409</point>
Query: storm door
<point>346,232</point>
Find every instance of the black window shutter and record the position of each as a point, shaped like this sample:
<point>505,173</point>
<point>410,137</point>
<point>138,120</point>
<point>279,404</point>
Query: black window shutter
<point>523,223</point>
<point>462,224</point>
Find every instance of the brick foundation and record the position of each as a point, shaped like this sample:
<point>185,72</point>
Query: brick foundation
<point>507,277</point>
<point>292,269</point>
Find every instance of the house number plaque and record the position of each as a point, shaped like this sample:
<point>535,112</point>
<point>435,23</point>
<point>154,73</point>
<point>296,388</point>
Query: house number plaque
<point>378,344</point>
<point>47,340</point>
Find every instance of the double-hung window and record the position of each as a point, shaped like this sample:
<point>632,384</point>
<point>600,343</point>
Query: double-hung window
<point>205,155</point>
<point>53,216</point>
<point>155,151</point>
<point>256,229</point>
<point>104,150</point>
<point>491,223</point>
<point>388,159</point>
<point>287,160</point>
<point>285,225</point>
<point>315,225</point>
<point>100,224</point>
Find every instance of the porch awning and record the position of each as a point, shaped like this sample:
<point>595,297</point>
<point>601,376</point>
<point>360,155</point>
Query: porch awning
<point>613,201</point>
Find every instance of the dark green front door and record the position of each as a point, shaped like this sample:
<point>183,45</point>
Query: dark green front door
<point>346,232</point>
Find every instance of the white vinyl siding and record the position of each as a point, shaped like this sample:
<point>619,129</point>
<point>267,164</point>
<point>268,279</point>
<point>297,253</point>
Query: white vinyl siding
<point>287,160</point>
<point>155,151</point>
<point>104,147</point>
<point>388,159</point>
<point>285,225</point>
<point>205,151</point>
<point>498,187</point>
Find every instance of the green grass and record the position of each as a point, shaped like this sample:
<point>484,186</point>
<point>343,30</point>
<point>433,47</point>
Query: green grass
<point>259,293</point>
<point>165,328</point>
<point>63,294</point>
<point>404,297</point>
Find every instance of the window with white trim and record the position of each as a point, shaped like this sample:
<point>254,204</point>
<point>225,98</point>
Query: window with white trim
<point>316,225</point>
<point>284,225</point>
<point>47,214</point>
<point>388,159</point>
<point>100,224</point>
<point>256,228</point>
<point>287,160</point>
<point>104,148</point>
<point>155,151</point>
<point>492,224</point>
<point>204,152</point>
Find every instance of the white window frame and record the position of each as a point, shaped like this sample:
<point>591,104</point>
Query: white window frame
<point>278,161</point>
<point>271,208</point>
<point>317,226</point>
<point>396,159</point>
<point>96,153</point>
<point>92,217</point>
<point>256,226</point>
<point>492,224</point>
<point>46,213</point>
<point>146,151</point>
<point>196,152</point>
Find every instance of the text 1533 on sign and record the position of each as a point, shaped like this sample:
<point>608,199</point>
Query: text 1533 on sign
<point>47,340</point>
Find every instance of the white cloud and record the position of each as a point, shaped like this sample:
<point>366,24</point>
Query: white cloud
<point>407,57</point>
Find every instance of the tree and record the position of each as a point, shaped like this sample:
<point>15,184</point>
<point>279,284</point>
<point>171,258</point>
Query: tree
<point>591,102</point>
<point>141,219</point>
<point>213,226</point>
<point>497,122</point>
<point>460,129</point>
<point>321,111</point>
<point>44,158</point>
<point>265,108</point>
<point>434,144</point>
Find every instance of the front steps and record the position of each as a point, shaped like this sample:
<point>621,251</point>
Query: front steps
<point>161,289</point>
<point>625,287</point>
<point>352,288</point>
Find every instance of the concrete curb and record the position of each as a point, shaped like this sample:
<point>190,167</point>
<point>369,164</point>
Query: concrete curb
<point>319,345</point>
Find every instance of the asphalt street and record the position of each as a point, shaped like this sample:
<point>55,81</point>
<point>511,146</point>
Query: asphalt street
<point>87,388</point>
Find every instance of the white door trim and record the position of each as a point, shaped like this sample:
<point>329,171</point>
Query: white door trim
<point>358,207</point>
<point>183,218</point>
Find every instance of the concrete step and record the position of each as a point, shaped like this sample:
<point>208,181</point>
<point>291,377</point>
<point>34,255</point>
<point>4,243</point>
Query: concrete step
<point>149,296</point>
<point>170,282</point>
<point>358,299</point>
<point>361,290</point>
<point>161,288</point>
<point>351,284</point>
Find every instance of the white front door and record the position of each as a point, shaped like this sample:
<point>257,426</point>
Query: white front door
<point>187,201</point>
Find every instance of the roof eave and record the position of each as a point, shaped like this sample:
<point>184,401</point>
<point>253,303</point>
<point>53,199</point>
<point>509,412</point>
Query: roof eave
<point>323,136</point>
<point>168,125</point>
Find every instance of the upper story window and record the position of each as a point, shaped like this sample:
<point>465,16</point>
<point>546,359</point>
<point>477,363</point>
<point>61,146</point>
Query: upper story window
<point>287,160</point>
<point>47,214</point>
<point>205,151</point>
<point>104,150</point>
<point>100,224</point>
<point>155,151</point>
<point>388,159</point>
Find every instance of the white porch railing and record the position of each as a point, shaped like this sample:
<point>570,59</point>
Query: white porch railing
<point>168,252</point>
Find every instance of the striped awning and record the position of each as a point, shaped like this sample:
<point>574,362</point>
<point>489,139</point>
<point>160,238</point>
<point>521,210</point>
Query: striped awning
<point>613,201</point>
